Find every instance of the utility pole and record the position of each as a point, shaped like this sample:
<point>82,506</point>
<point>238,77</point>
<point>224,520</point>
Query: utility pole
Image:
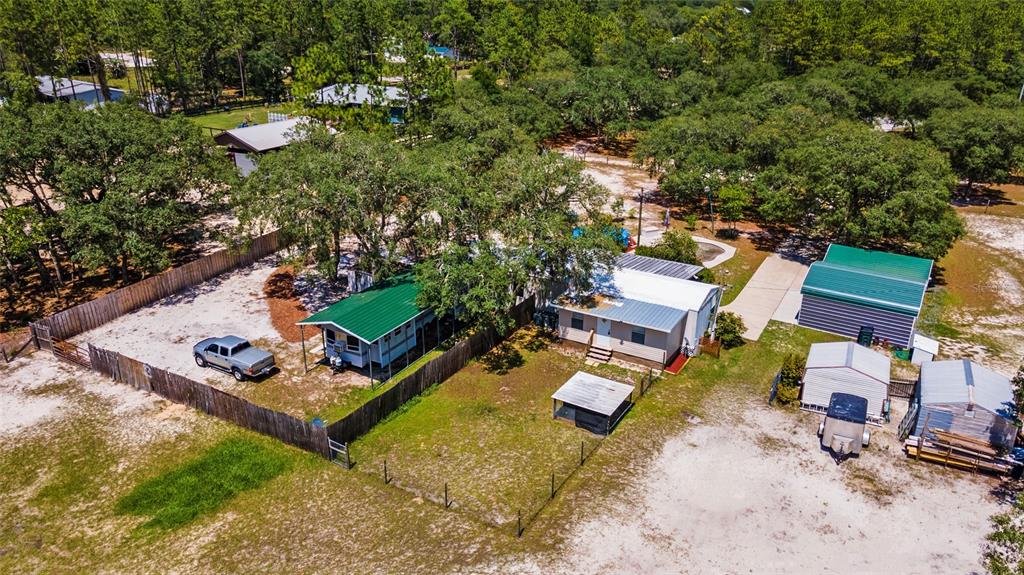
<point>640,220</point>
<point>711,208</point>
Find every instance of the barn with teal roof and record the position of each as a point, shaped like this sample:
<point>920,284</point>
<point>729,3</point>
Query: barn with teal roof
<point>864,293</point>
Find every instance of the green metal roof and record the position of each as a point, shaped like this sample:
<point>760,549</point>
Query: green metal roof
<point>876,279</point>
<point>881,263</point>
<point>372,314</point>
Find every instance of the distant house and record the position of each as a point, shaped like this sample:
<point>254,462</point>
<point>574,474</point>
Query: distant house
<point>862,293</point>
<point>374,327</point>
<point>66,89</point>
<point>244,144</point>
<point>645,309</point>
<point>355,95</point>
<point>127,59</point>
<point>845,367</point>
<point>962,397</point>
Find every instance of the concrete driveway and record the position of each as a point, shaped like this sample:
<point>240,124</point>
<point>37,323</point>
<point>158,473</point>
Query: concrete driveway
<point>773,292</point>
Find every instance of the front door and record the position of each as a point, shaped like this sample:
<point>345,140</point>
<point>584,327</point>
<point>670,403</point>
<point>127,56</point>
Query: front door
<point>603,334</point>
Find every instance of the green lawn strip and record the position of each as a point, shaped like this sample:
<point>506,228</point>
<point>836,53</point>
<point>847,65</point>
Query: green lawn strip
<point>232,118</point>
<point>201,486</point>
<point>489,435</point>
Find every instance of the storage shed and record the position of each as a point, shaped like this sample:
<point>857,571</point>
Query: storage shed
<point>925,349</point>
<point>845,367</point>
<point>963,397</point>
<point>855,292</point>
<point>592,402</point>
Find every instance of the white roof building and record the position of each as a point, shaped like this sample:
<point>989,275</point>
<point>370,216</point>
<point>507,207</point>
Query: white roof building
<point>261,137</point>
<point>845,367</point>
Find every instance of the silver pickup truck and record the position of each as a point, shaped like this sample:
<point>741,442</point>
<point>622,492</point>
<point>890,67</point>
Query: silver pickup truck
<point>235,355</point>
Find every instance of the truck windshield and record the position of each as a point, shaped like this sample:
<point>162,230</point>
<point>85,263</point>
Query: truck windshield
<point>239,347</point>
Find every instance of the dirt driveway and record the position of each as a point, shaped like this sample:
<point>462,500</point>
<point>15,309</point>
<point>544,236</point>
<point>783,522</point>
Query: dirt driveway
<point>162,334</point>
<point>747,491</point>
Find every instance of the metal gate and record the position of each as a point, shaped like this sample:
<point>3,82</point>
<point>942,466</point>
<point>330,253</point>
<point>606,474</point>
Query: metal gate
<point>339,453</point>
<point>909,421</point>
<point>903,388</point>
<point>71,352</point>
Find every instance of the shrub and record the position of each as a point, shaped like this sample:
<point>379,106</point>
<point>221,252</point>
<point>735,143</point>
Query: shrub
<point>674,246</point>
<point>730,329</point>
<point>691,221</point>
<point>789,378</point>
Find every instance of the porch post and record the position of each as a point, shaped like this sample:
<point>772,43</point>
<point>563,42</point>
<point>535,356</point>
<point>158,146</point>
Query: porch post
<point>302,336</point>
<point>390,375</point>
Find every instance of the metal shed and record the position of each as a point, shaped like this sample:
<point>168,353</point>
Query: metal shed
<point>845,367</point>
<point>924,349</point>
<point>853,291</point>
<point>963,397</point>
<point>592,402</point>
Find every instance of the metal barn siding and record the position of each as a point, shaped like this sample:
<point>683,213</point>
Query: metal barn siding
<point>947,387</point>
<point>822,382</point>
<point>983,425</point>
<point>846,319</point>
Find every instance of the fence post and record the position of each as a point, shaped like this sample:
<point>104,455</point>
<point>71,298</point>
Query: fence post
<point>552,486</point>
<point>386,480</point>
<point>519,523</point>
<point>581,453</point>
<point>447,503</point>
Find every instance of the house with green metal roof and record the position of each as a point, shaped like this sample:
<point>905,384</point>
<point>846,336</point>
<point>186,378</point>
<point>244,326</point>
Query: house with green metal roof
<point>372,328</point>
<point>856,292</point>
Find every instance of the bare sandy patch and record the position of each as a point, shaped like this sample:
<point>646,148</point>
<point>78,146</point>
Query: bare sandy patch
<point>755,494</point>
<point>1000,232</point>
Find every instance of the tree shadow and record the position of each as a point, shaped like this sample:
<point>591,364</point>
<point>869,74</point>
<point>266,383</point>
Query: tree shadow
<point>503,358</point>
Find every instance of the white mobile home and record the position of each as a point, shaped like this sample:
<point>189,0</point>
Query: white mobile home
<point>640,314</point>
<point>845,367</point>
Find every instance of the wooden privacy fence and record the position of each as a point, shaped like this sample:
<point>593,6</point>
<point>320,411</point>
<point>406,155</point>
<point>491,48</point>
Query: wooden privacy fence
<point>210,400</point>
<point>83,317</point>
<point>903,388</point>
<point>431,373</point>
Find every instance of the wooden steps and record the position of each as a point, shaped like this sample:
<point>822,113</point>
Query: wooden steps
<point>598,354</point>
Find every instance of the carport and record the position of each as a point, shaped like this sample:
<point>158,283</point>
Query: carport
<point>591,402</point>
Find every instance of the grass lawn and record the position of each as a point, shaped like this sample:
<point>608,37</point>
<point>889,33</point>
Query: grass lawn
<point>202,485</point>
<point>231,119</point>
<point>487,431</point>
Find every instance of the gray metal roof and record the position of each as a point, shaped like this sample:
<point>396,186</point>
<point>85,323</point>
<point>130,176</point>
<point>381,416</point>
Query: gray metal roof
<point>67,87</point>
<point>261,137</point>
<point>656,266</point>
<point>359,94</point>
<point>947,381</point>
<point>631,311</point>
<point>848,354</point>
<point>593,393</point>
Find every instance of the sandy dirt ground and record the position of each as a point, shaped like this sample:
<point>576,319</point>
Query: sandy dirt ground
<point>38,392</point>
<point>749,491</point>
<point>625,180</point>
<point>162,334</point>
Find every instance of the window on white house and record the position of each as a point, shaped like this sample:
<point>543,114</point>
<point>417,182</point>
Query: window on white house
<point>638,335</point>
<point>577,321</point>
<point>352,343</point>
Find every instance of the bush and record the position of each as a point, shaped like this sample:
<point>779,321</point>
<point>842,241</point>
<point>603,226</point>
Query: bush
<point>730,329</point>
<point>790,377</point>
<point>674,246</point>
<point>691,221</point>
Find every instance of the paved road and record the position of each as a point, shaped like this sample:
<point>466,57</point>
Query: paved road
<point>773,292</point>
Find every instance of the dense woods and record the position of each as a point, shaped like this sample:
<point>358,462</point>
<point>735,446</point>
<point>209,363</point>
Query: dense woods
<point>772,109</point>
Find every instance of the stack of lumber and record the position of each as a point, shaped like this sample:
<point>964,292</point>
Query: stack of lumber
<point>961,451</point>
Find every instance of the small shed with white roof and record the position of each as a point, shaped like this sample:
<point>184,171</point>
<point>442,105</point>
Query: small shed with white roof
<point>592,402</point>
<point>845,367</point>
<point>642,314</point>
